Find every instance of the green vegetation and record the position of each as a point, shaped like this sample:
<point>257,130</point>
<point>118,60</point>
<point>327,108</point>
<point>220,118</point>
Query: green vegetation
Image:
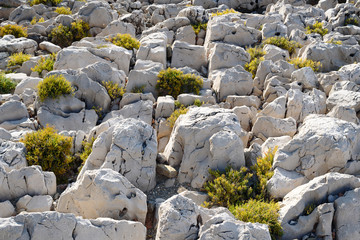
<point>138,89</point>
<point>113,89</point>
<point>282,42</point>
<point>50,150</point>
<point>351,21</point>
<point>257,56</point>
<point>86,150</point>
<point>227,11</point>
<point>174,82</point>
<point>300,63</point>
<point>198,103</point>
<point>63,10</point>
<point>317,28</point>
<point>34,20</point>
<point>54,86</point>
<point>125,41</point>
<point>45,63</point>
<point>13,29</point>
<point>18,59</point>
<point>175,115</point>
<point>45,2</point>
<point>260,212</point>
<point>7,85</point>
<point>197,27</point>
<point>65,36</point>
<point>309,209</point>
<point>244,193</point>
<point>332,41</point>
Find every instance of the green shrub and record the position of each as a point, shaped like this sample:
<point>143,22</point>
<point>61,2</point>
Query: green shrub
<point>332,41</point>
<point>309,209</point>
<point>257,211</point>
<point>198,103</point>
<point>138,89</point>
<point>13,29</point>
<point>257,56</point>
<point>300,63</point>
<point>61,35</point>
<point>7,85</point>
<point>197,27</point>
<point>174,82</point>
<point>317,28</point>
<point>53,87</point>
<point>79,30</point>
<point>175,115</point>
<point>227,11</point>
<point>48,149</point>
<point>351,21</point>
<point>34,20</point>
<point>63,10</point>
<point>18,59</point>
<point>86,150</point>
<point>283,42</point>
<point>45,2</point>
<point>113,89</point>
<point>45,63</point>
<point>125,41</point>
<point>177,104</point>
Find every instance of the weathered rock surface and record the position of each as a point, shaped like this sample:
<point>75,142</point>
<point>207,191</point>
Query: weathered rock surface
<point>12,155</point>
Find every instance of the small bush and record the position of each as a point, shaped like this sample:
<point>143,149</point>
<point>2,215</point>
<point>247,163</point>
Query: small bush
<point>86,150</point>
<point>61,35</point>
<point>198,103</point>
<point>257,56</point>
<point>351,21</point>
<point>63,10</point>
<point>113,89</point>
<point>138,89</point>
<point>54,86</point>
<point>6,84</point>
<point>197,27</point>
<point>34,20</point>
<point>300,63</point>
<point>48,149</point>
<point>309,209</point>
<point>175,115</point>
<point>45,2</point>
<point>317,28</point>
<point>227,11</point>
<point>125,41</point>
<point>283,42</point>
<point>332,41</point>
<point>79,30</point>
<point>45,63</point>
<point>257,211</point>
<point>12,29</point>
<point>174,82</point>
<point>18,59</point>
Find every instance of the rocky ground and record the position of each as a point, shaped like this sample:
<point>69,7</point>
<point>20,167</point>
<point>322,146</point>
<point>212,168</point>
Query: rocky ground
<point>144,179</point>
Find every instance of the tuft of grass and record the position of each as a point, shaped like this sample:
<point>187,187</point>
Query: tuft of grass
<point>227,11</point>
<point>18,59</point>
<point>317,28</point>
<point>34,20</point>
<point>283,42</point>
<point>7,85</point>
<point>86,150</point>
<point>197,27</point>
<point>309,209</point>
<point>125,41</point>
<point>63,10</point>
<point>113,89</point>
<point>54,86</point>
<point>257,56</point>
<point>198,103</point>
<point>175,115</point>
<point>13,29</point>
<point>300,63</point>
<point>351,21</point>
<point>138,89</point>
<point>45,63</point>
<point>332,41</point>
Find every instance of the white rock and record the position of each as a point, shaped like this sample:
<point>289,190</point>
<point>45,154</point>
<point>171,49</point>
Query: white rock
<point>6,209</point>
<point>28,180</point>
<point>231,81</point>
<point>153,47</point>
<point>275,109</point>
<point>185,54</point>
<point>266,127</point>
<point>188,99</point>
<point>50,47</point>
<point>13,110</point>
<point>28,82</point>
<point>275,53</point>
<point>274,29</point>
<point>129,98</point>
<point>11,45</point>
<point>12,155</point>
<point>205,138</point>
<point>344,98</point>
<point>344,113</point>
<point>245,116</point>
<point>165,107</point>
<point>186,34</point>
<point>273,142</point>
<point>104,193</point>
<point>249,101</point>
<point>306,77</point>
<point>96,13</point>
<point>34,204</point>
<point>118,26</point>
<point>104,72</point>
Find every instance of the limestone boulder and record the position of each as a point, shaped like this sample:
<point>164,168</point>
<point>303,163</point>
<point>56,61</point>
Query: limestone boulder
<point>118,26</point>
<point>165,106</point>
<point>96,13</point>
<point>12,45</point>
<point>6,209</point>
<point>103,193</point>
<point>185,54</point>
<point>205,138</point>
<point>34,204</point>
<point>12,155</point>
<point>267,126</point>
<point>13,110</point>
<point>153,47</point>
<point>306,77</point>
<point>130,148</point>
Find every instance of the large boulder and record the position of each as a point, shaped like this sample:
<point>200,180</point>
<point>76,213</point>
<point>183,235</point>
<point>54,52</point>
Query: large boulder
<point>205,138</point>
<point>104,193</point>
<point>344,94</point>
<point>188,55</point>
<point>54,225</point>
<point>27,180</point>
<point>96,13</point>
<point>323,144</point>
<point>118,26</point>
<point>130,148</point>
<point>266,127</point>
<point>153,47</point>
<point>12,155</point>
<point>13,110</point>
<point>12,45</point>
